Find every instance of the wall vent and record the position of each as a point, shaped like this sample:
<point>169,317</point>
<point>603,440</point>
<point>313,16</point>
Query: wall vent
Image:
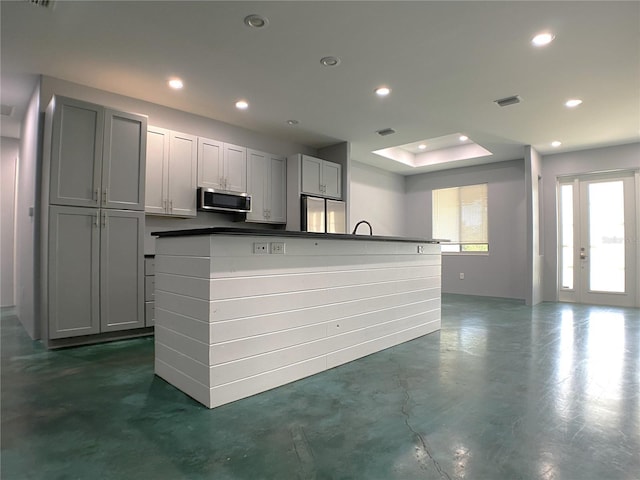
<point>385,131</point>
<point>505,102</point>
<point>42,3</point>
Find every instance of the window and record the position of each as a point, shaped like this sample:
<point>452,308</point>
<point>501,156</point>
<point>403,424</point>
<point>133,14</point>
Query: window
<point>460,217</point>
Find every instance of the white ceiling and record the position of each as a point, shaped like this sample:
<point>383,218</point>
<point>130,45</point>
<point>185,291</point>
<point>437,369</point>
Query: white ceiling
<point>446,63</point>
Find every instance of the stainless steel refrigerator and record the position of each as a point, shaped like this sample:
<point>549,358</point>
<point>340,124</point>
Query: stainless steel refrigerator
<point>323,215</point>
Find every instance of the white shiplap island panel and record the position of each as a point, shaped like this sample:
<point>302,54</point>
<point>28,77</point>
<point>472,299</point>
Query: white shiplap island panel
<point>231,323</point>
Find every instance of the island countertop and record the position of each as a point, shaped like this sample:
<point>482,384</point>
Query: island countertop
<point>286,233</point>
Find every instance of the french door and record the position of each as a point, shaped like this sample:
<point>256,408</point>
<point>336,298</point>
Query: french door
<point>598,217</point>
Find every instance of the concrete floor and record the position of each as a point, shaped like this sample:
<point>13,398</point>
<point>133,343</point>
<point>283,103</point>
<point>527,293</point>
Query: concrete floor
<point>504,391</point>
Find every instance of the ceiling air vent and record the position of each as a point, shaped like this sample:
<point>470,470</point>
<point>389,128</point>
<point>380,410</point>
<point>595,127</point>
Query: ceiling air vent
<point>385,131</point>
<point>505,102</point>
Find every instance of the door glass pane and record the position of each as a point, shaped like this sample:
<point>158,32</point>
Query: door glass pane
<point>566,217</point>
<point>606,255</point>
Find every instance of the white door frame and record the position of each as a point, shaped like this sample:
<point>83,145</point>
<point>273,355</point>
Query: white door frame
<point>579,292</point>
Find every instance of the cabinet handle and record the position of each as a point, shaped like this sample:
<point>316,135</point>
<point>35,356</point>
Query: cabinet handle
<point>104,219</point>
<point>96,222</point>
<point>171,206</point>
<point>95,194</point>
<point>104,196</point>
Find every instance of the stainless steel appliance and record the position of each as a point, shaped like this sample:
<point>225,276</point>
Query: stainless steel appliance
<point>210,199</point>
<point>323,215</point>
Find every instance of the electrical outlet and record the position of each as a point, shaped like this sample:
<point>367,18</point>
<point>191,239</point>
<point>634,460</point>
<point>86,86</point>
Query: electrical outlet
<point>461,276</point>
<point>277,248</point>
<point>261,248</point>
<point>420,248</point>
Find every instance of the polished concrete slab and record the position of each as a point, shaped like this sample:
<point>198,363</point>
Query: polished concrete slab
<point>504,391</point>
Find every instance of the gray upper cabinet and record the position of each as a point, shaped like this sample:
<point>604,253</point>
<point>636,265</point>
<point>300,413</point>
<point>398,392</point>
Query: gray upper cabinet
<point>97,156</point>
<point>222,166</point>
<point>171,173</point>
<point>321,178</point>
<point>182,174</point>
<point>76,153</point>
<point>267,180</point>
<point>124,161</point>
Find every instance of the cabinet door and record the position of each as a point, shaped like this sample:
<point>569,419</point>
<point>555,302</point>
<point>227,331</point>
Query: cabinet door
<point>123,161</point>
<point>277,190</point>
<point>332,179</point>
<point>73,273</point>
<point>311,175</point>
<point>156,171</point>
<point>210,163</point>
<point>76,153</point>
<point>121,270</point>
<point>183,163</point>
<point>256,173</point>
<point>235,168</point>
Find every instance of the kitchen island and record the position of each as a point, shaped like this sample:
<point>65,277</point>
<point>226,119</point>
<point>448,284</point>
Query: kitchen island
<point>241,311</point>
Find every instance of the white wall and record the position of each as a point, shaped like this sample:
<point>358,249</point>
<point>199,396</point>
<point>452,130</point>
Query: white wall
<point>8,157</point>
<point>501,273</point>
<point>25,220</point>
<point>553,166</point>
<point>378,197</point>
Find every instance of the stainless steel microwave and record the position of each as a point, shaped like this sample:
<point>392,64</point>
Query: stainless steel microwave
<point>210,199</point>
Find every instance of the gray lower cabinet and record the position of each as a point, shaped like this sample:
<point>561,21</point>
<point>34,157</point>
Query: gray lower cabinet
<point>95,271</point>
<point>74,272</point>
<point>149,290</point>
<point>121,270</point>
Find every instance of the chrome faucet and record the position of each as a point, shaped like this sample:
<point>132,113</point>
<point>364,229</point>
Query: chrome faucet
<point>358,224</point>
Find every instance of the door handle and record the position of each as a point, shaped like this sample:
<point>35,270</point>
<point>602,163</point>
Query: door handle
<point>583,255</point>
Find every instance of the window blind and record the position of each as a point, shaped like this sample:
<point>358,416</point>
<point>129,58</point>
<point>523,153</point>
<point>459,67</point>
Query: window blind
<point>460,214</point>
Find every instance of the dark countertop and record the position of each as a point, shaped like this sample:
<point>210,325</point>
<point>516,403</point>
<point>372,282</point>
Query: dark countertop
<point>286,233</point>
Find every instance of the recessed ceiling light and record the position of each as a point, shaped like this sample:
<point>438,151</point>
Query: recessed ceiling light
<point>574,102</point>
<point>242,105</point>
<point>292,122</point>
<point>382,91</point>
<point>556,144</point>
<point>256,21</point>
<point>463,138</point>
<point>176,83</point>
<point>422,146</point>
<point>542,39</point>
<point>330,61</point>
